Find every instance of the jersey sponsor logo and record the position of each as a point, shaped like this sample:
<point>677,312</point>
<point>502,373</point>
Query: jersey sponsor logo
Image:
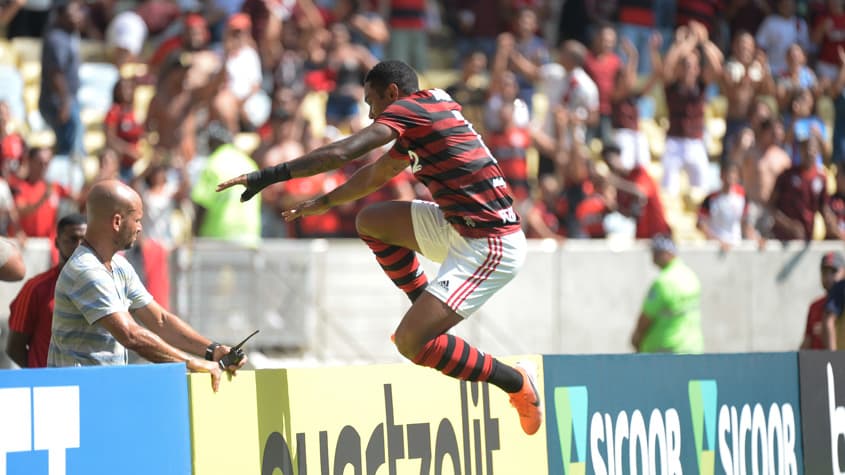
<point>508,215</point>
<point>499,182</point>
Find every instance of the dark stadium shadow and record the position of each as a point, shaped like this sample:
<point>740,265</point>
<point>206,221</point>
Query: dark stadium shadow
<point>793,261</point>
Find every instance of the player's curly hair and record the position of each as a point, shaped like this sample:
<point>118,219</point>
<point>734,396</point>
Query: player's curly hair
<point>395,72</point>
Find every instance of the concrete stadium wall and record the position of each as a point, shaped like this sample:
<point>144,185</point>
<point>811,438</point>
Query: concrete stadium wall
<point>583,297</point>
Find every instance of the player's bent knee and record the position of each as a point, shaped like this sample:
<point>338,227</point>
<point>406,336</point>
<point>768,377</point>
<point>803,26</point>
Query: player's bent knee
<point>407,344</point>
<point>367,222</point>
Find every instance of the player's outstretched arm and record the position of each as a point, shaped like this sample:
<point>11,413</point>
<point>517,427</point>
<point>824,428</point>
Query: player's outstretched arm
<point>365,181</point>
<point>325,158</point>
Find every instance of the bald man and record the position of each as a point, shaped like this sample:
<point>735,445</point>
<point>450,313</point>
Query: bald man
<point>98,294</point>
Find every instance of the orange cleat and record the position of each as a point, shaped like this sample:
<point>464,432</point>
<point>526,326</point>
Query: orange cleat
<point>527,402</point>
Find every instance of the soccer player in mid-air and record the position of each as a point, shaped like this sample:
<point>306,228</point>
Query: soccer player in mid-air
<point>470,228</point>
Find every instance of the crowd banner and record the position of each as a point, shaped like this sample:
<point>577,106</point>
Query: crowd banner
<point>662,414</point>
<point>823,410</point>
<point>368,419</point>
<point>95,421</point>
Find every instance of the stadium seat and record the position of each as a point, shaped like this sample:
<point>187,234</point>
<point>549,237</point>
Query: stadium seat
<point>247,142</point>
<point>11,91</point>
<point>30,71</point>
<point>8,55</point>
<point>143,95</point>
<point>96,82</point>
<point>93,51</point>
<point>94,140</point>
<point>28,49</point>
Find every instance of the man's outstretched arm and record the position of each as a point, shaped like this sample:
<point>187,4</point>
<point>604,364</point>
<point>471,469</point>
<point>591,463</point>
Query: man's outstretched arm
<point>325,158</point>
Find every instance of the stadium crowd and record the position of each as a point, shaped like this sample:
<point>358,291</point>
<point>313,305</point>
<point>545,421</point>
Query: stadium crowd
<point>716,119</point>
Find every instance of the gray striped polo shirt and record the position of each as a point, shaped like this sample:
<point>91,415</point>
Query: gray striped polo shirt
<point>86,292</point>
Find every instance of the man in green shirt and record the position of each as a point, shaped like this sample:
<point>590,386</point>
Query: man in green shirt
<point>670,320</point>
<point>222,215</point>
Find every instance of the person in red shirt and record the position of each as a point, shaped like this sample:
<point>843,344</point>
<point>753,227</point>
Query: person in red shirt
<point>829,34</point>
<point>603,65</point>
<point>799,193</point>
<point>37,200</point>
<point>31,312</point>
<point>832,270</point>
<point>637,195</point>
<point>123,132</point>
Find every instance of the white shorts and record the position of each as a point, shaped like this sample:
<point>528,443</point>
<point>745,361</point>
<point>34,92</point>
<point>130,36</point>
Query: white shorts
<point>689,154</point>
<point>471,270</point>
<point>633,145</point>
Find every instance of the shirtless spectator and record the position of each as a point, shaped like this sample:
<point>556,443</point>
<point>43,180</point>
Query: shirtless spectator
<point>686,75</point>
<point>236,103</point>
<point>797,76</point>
<point>347,63</point>
<point>184,86</point>
<point>761,161</point>
<point>745,77</point>
<point>193,37</point>
<point>799,193</point>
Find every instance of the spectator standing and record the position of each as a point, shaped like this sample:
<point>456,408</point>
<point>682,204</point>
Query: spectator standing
<point>779,31</point>
<point>523,52</point>
<point>761,160</point>
<point>829,34</point>
<point>98,293</point>
<point>603,65</point>
<point>236,103</point>
<point>626,92</point>
<point>837,92</point>
<point>476,26</point>
<point>221,215</point>
<point>799,193</point>
<point>832,271</point>
<point>565,83</point>
<point>670,320</point>
<point>797,77</point>
<point>347,64</point>
<point>162,197</point>
<point>31,311</point>
<point>723,215</point>
<point>685,82</point>
<point>408,36</point>
<point>636,24</point>
<point>60,61</point>
<point>470,90</point>
<point>510,144</point>
<point>36,199</point>
<point>745,77</point>
<point>123,132</point>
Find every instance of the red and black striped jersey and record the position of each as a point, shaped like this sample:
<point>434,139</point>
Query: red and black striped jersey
<point>450,158</point>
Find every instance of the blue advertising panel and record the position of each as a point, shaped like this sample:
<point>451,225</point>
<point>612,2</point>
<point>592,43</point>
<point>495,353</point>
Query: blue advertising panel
<point>95,421</point>
<point>673,415</point>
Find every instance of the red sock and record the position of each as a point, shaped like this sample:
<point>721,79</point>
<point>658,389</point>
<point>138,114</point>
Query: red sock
<point>401,265</point>
<point>454,357</point>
